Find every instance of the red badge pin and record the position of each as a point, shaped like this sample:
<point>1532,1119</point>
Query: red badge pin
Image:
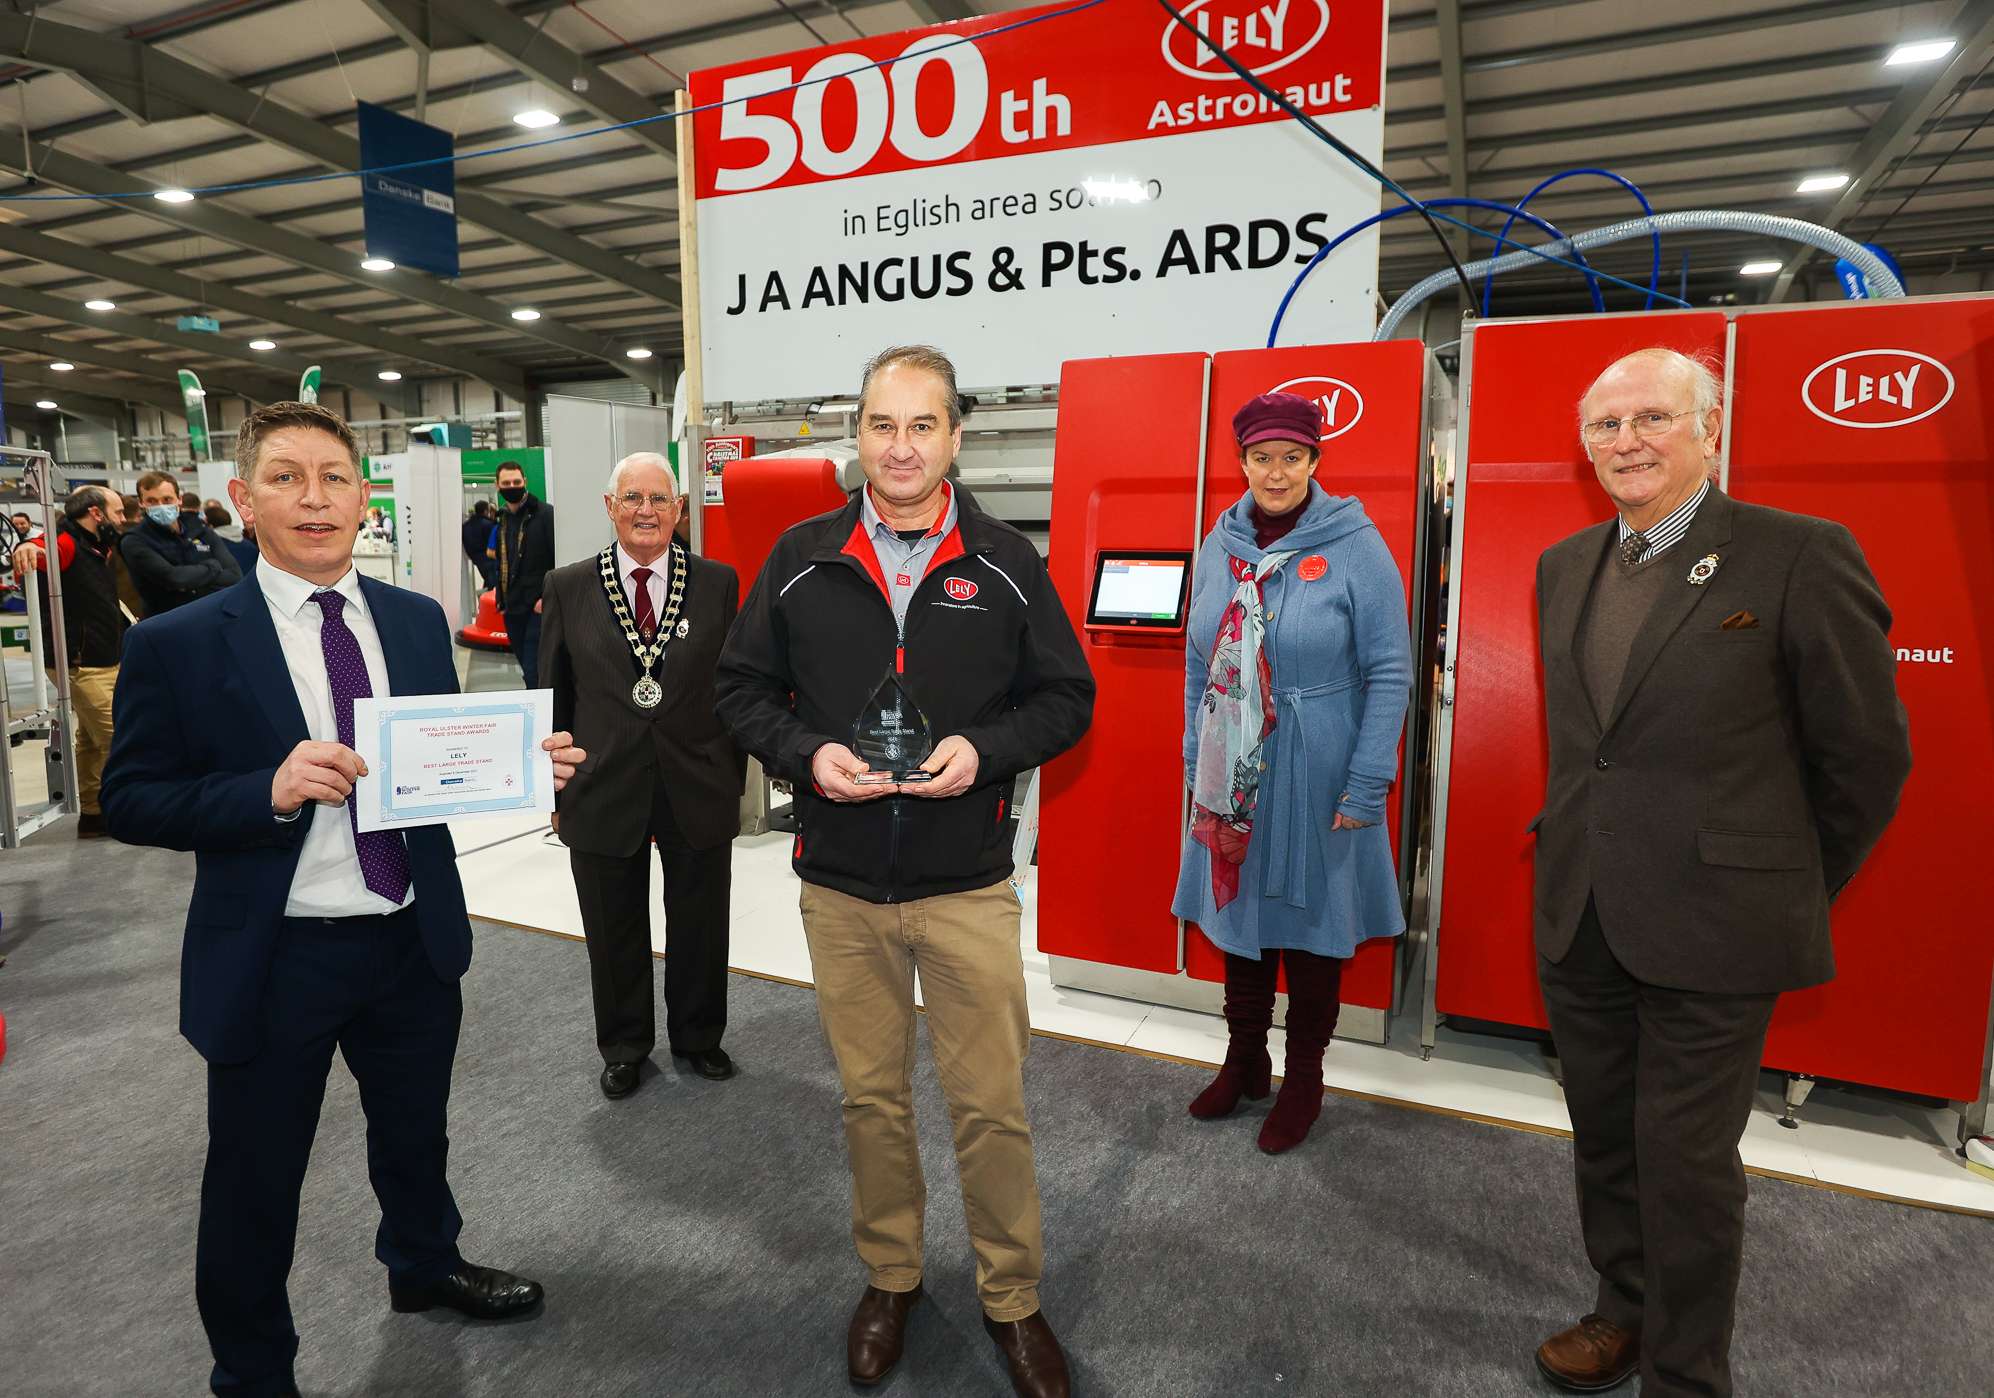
<point>1313,567</point>
<point>903,580</point>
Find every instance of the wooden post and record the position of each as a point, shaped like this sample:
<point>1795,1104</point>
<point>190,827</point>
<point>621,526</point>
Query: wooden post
<point>692,432</point>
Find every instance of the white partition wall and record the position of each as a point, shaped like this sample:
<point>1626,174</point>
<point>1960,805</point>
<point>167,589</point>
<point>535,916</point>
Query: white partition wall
<point>585,437</point>
<point>428,483</point>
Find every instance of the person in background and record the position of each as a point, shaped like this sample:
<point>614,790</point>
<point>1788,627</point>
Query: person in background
<point>25,529</point>
<point>911,584</point>
<point>93,625</point>
<point>128,593</point>
<point>525,554</point>
<point>304,934</point>
<point>478,526</point>
<point>222,522</point>
<point>244,549</point>
<point>1726,747</point>
<point>630,641</point>
<point>1298,669</point>
<point>173,556</point>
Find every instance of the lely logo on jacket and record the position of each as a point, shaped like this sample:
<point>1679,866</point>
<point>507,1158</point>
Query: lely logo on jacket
<point>1341,403</point>
<point>1265,35</point>
<point>961,589</point>
<point>1877,388</point>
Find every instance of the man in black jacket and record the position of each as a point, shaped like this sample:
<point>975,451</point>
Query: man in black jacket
<point>525,555</point>
<point>477,537</point>
<point>93,627</point>
<point>912,584</point>
<point>173,555</point>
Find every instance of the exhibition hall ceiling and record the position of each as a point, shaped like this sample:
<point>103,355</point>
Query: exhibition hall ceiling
<point>1703,103</point>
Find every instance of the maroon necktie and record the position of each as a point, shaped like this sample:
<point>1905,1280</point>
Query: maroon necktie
<point>647,620</point>
<point>383,853</point>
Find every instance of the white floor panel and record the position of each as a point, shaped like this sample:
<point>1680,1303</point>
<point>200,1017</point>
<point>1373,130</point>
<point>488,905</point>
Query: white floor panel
<point>1847,1138</point>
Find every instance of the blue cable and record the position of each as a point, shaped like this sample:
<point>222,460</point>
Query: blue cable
<point>1654,239</point>
<point>1515,212</point>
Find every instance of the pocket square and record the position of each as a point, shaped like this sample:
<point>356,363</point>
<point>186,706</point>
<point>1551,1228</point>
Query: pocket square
<point>1740,621</point>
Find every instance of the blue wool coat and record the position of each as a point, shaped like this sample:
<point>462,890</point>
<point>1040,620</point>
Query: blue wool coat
<point>1341,660</point>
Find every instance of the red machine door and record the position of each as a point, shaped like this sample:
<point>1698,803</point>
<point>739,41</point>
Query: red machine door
<point>1374,404</point>
<point>1125,472</point>
<point>1882,417</point>
<point>1526,484</point>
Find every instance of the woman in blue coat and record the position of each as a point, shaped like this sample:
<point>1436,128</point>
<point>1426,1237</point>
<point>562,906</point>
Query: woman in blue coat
<point>1298,667</point>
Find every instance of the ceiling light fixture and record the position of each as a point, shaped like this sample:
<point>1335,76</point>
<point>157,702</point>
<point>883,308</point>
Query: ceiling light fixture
<point>61,366</point>
<point>377,264</point>
<point>1758,269</point>
<point>263,344</point>
<point>1821,184</point>
<point>173,196</point>
<point>637,352</point>
<point>534,118</point>
<point>525,313</point>
<point>100,304</point>
<point>1922,51</point>
<point>389,376</point>
<point>47,405</point>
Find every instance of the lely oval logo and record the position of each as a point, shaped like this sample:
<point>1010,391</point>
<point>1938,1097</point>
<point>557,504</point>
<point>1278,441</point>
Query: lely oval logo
<point>961,589</point>
<point>1877,388</point>
<point>1341,403</point>
<point>1265,35</point>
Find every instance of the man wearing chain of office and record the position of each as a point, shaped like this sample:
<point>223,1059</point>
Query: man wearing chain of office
<point>629,640</point>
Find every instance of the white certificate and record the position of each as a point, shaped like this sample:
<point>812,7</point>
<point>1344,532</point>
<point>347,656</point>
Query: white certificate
<point>433,757</point>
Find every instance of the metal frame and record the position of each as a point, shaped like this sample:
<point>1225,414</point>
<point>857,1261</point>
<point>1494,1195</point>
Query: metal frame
<point>1973,1115</point>
<point>57,719</point>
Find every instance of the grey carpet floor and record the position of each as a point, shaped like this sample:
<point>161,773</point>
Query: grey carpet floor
<point>693,1241</point>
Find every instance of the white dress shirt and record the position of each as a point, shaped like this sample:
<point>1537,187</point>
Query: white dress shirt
<point>659,566</point>
<point>328,882</point>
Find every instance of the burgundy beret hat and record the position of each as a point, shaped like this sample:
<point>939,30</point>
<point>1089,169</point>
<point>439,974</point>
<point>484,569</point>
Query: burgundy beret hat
<point>1284,417</point>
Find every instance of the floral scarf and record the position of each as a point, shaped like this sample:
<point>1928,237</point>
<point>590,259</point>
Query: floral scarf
<point>1233,727</point>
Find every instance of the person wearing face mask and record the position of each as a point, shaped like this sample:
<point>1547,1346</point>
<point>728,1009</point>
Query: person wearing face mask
<point>174,557</point>
<point>525,556</point>
<point>1298,667</point>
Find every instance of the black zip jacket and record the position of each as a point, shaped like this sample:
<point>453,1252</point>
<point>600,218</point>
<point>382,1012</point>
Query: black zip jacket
<point>526,555</point>
<point>987,654</point>
<point>172,568</point>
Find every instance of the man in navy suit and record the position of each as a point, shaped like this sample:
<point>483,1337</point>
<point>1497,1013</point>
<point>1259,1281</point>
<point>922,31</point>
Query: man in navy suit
<point>233,737</point>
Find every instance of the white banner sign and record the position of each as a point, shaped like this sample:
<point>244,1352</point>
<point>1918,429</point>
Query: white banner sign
<point>1094,183</point>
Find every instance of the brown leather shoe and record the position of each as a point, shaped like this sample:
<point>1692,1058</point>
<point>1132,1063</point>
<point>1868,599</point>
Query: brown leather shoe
<point>1038,1367</point>
<point>878,1333</point>
<point>1591,1357</point>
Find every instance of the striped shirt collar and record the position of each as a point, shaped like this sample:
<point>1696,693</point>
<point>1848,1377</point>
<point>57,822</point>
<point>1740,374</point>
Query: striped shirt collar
<point>1670,531</point>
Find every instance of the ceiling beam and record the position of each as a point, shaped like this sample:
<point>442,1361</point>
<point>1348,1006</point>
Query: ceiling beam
<point>60,386</point>
<point>531,51</point>
<point>26,301</point>
<point>49,349</point>
<point>206,216</point>
<point>1893,133</point>
<point>60,252</point>
<point>147,84</point>
<point>1454,102</point>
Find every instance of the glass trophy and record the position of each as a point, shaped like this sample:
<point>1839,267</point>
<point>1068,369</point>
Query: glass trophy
<point>891,736</point>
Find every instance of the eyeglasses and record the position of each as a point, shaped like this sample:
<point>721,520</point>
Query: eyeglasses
<point>636,500</point>
<point>1605,431</point>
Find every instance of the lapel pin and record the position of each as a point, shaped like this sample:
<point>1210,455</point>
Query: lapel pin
<point>1704,571</point>
<point>685,625</point>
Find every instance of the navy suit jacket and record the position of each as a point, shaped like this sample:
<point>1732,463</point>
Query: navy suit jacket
<point>205,713</point>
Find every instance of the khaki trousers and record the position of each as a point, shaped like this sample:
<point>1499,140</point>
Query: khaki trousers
<point>965,946</point>
<point>90,688</point>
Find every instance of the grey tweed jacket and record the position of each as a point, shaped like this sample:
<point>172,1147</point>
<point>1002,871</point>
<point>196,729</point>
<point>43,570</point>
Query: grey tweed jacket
<point>1753,756</point>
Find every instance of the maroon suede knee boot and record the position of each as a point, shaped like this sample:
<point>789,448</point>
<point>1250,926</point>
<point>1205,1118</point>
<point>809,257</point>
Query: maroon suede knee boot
<point>1249,1014</point>
<point>1313,982</point>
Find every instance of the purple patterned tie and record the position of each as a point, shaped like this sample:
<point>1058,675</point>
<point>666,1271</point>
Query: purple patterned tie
<point>383,854</point>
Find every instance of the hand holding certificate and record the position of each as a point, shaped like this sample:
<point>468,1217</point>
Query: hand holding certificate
<point>430,758</point>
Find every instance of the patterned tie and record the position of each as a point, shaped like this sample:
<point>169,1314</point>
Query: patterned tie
<point>647,620</point>
<point>1632,547</point>
<point>383,853</point>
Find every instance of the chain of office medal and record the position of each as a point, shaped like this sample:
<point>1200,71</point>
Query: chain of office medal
<point>647,656</point>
